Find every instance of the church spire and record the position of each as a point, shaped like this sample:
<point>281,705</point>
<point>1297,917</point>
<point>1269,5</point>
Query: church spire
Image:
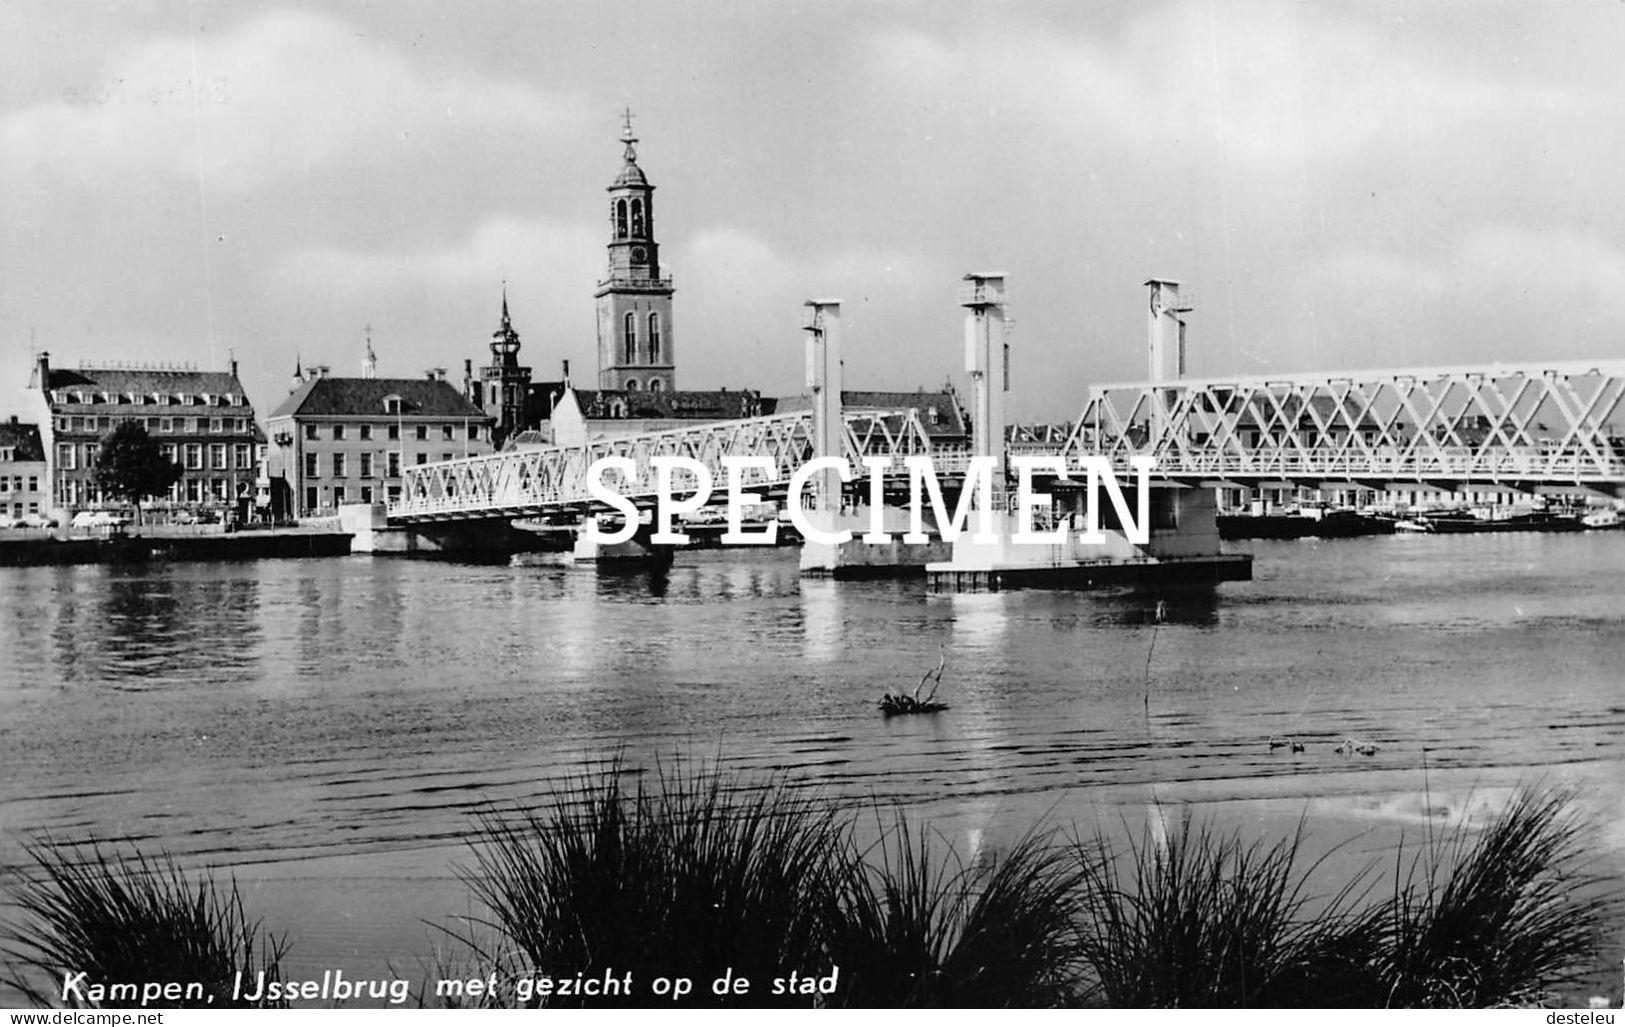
<point>505,341</point>
<point>631,152</point>
<point>369,363</point>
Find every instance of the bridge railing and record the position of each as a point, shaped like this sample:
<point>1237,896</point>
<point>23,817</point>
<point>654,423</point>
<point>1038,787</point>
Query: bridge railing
<point>546,479</point>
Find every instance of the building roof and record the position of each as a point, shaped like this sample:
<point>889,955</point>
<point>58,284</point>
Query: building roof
<point>24,438</point>
<point>118,380</point>
<point>328,396</point>
<point>677,405</point>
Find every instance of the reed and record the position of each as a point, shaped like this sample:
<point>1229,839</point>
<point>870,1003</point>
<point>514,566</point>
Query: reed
<point>134,919</point>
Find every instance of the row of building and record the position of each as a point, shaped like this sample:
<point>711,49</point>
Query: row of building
<point>338,440</point>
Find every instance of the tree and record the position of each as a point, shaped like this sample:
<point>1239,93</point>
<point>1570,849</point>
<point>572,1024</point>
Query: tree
<point>131,466</point>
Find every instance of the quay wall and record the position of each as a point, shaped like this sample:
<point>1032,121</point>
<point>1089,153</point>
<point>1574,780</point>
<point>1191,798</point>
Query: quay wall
<point>276,543</point>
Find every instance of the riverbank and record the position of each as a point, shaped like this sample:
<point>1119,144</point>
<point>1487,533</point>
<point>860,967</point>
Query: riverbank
<point>42,549</point>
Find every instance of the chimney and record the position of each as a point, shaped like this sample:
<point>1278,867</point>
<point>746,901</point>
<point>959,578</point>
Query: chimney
<point>233,354</point>
<point>42,366</point>
<point>440,374</point>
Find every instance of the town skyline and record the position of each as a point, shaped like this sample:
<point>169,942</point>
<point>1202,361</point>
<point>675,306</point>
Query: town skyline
<point>1364,185</point>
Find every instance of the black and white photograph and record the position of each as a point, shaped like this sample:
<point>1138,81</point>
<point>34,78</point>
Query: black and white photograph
<point>827,505</point>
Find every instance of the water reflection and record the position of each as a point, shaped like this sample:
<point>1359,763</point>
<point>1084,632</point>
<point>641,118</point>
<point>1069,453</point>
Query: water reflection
<point>297,708</point>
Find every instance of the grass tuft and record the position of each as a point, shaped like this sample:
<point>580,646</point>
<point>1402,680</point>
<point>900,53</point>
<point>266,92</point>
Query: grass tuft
<point>131,920</point>
<point>1207,920</point>
<point>918,927</point>
<point>1495,917</point>
<point>700,873</point>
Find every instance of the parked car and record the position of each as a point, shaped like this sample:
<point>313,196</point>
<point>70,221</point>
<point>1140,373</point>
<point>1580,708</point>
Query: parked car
<point>32,520</point>
<point>99,519</point>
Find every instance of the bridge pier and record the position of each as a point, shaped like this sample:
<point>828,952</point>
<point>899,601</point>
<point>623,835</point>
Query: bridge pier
<point>638,551</point>
<point>1183,550</point>
<point>371,532</point>
<point>856,558</point>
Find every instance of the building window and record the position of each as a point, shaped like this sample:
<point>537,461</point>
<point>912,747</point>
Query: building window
<point>167,450</point>
<point>338,433</point>
<point>310,432</point>
<point>33,484</point>
<point>245,456</point>
<point>423,432</point>
<point>637,218</point>
<point>215,425</point>
<point>656,385</point>
<point>474,433</point>
<point>393,463</point>
<point>394,432</point>
<point>338,465</point>
<point>448,456</point>
<point>620,219</point>
<point>310,498</point>
<point>366,493</point>
<point>66,456</point>
<point>629,338</point>
<point>92,451</point>
<point>654,337</point>
<point>366,465</point>
<point>392,405</point>
<point>194,490</point>
<point>446,431</point>
<point>313,467</point>
<point>217,456</point>
<point>166,424</point>
<point>338,494</point>
<point>366,432</point>
<point>423,458</point>
<point>194,456</point>
<point>394,493</point>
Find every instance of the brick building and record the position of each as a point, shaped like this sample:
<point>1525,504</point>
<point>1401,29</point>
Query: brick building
<point>345,440</point>
<point>202,420</point>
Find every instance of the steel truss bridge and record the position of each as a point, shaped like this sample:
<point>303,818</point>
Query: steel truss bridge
<point>1525,428</point>
<point>1529,428</point>
<point>552,480</point>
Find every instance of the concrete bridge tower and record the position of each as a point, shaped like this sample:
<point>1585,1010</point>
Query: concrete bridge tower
<point>824,384</point>
<point>987,359</point>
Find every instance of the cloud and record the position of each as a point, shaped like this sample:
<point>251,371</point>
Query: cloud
<point>284,95</point>
<point>743,295</point>
<point>535,254</point>
<point>1273,85</point>
<point>1503,292</point>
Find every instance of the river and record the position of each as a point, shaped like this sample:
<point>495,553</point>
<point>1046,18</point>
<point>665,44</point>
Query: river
<point>326,728</point>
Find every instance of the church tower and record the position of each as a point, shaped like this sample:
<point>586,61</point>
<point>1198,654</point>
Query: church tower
<point>635,346</point>
<point>504,384</point>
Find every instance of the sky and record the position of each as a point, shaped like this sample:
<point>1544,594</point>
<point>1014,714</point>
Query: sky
<point>1337,185</point>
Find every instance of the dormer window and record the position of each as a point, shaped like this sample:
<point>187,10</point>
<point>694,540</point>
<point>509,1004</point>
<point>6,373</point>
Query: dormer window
<point>392,405</point>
